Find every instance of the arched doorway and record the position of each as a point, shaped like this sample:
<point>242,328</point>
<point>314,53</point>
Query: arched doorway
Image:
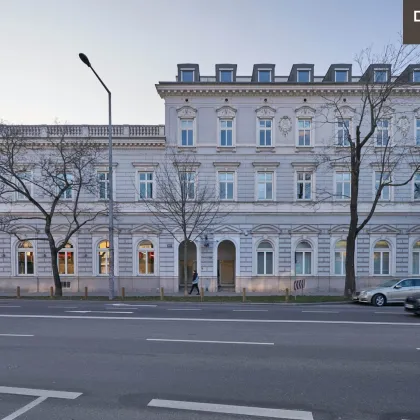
<point>191,262</point>
<point>226,255</point>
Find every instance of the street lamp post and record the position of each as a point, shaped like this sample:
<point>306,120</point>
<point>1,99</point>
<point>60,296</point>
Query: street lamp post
<point>85,60</point>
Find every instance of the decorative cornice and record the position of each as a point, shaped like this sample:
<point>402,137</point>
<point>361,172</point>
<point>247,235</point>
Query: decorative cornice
<point>311,165</point>
<point>145,164</point>
<point>265,164</point>
<point>226,164</point>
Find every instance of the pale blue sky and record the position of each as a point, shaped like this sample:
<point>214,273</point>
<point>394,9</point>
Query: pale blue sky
<point>133,44</point>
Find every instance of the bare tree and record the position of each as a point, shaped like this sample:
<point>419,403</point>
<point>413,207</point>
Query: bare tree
<point>50,180</point>
<point>183,201</point>
<point>395,159</point>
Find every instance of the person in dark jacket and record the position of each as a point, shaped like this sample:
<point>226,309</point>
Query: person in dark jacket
<point>195,280</point>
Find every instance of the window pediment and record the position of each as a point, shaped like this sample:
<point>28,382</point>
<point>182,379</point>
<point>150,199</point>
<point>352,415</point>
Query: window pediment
<point>345,112</point>
<point>305,111</point>
<point>265,112</point>
<point>186,112</point>
<point>226,112</point>
<point>384,229</point>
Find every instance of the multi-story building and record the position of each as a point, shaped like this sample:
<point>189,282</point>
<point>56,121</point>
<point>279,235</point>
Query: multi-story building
<point>257,138</point>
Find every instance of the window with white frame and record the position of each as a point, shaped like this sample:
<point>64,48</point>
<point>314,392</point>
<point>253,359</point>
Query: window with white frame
<point>62,181</point>
<point>382,132</point>
<point>146,258</point>
<point>415,264</point>
<point>264,76</point>
<point>103,257</point>
<point>304,185</point>
<point>146,185</point>
<point>265,185</point>
<point>265,127</point>
<point>303,258</point>
<point>342,185</point>
<point>416,75</point>
<point>103,185</point>
<point>25,258</point>
<point>265,258</point>
<point>187,75</point>
<point>340,258</point>
<point>380,76</point>
<point>226,185</point>
<point>382,178</point>
<point>342,131</point>
<point>66,260</point>
<point>304,75</point>
<point>416,186</point>
<point>26,177</point>
<point>226,132</point>
<point>188,185</point>
<point>341,76</point>
<point>381,258</point>
<point>187,132</point>
<point>304,132</point>
<point>418,131</point>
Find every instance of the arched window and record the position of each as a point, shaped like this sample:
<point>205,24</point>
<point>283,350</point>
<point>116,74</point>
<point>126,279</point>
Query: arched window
<point>340,258</point>
<point>103,257</point>
<point>416,258</point>
<point>381,260</point>
<point>66,260</point>
<point>265,258</point>
<point>303,258</point>
<point>146,254</point>
<point>26,258</point>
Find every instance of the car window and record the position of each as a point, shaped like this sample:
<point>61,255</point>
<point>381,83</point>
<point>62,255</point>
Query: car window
<point>417,282</point>
<point>407,283</point>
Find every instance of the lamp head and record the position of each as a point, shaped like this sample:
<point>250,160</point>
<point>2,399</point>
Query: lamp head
<point>84,58</point>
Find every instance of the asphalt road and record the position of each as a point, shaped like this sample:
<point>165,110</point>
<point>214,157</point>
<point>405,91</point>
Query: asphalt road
<point>207,361</point>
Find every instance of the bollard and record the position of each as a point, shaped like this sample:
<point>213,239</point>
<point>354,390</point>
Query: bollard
<point>86,292</point>
<point>244,294</point>
<point>202,294</point>
<point>287,295</point>
<point>122,293</point>
<point>162,294</point>
<point>18,292</point>
<point>51,292</point>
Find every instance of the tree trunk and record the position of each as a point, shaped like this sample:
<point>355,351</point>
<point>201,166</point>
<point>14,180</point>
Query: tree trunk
<point>350,284</point>
<point>56,274</point>
<point>185,267</point>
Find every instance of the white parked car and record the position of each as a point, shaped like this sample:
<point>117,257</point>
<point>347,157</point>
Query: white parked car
<point>392,291</point>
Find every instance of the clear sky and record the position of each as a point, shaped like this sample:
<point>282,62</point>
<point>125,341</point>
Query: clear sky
<point>134,44</point>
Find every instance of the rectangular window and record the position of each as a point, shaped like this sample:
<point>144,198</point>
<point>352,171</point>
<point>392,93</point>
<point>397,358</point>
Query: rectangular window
<point>265,131</point>
<point>418,131</point>
<point>62,181</point>
<point>187,75</point>
<point>416,76</point>
<point>304,126</point>
<point>103,185</point>
<point>341,76</point>
<point>226,185</point>
<point>26,177</point>
<point>187,132</point>
<point>416,183</point>
<point>265,185</point>
<point>188,185</point>
<point>382,132</point>
<point>343,131</point>
<point>303,261</point>
<point>380,179</point>
<point>381,262</point>
<point>340,263</point>
<point>146,185</point>
<point>226,76</point>
<point>304,185</point>
<point>226,132</point>
<point>66,262</point>
<point>380,76</point>
<point>264,76</point>
<point>304,76</point>
<point>343,185</point>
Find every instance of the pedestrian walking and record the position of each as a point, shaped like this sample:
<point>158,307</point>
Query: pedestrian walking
<point>195,281</point>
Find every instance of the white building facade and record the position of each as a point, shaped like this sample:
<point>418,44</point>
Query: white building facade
<point>257,139</point>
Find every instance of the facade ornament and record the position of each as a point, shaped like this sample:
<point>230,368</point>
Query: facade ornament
<point>226,112</point>
<point>186,112</point>
<point>403,125</point>
<point>285,125</point>
<point>305,111</point>
<point>265,112</point>
<point>345,111</point>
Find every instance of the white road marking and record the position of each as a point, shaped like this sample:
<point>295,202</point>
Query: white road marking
<point>210,342</point>
<point>232,409</point>
<point>39,393</point>
<point>242,320</point>
<point>24,409</point>
<point>130,304</point>
<point>389,313</point>
<point>98,312</point>
<point>62,307</point>
<point>17,335</point>
<point>418,348</point>
<point>184,309</point>
<point>320,312</point>
<point>9,306</point>
<point>250,310</point>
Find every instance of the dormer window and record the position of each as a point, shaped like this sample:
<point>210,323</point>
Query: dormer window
<point>303,75</point>
<point>341,76</point>
<point>416,75</point>
<point>380,76</point>
<point>226,75</point>
<point>264,76</point>
<point>187,75</point>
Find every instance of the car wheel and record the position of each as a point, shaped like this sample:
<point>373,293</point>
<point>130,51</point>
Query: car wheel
<point>379,300</point>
